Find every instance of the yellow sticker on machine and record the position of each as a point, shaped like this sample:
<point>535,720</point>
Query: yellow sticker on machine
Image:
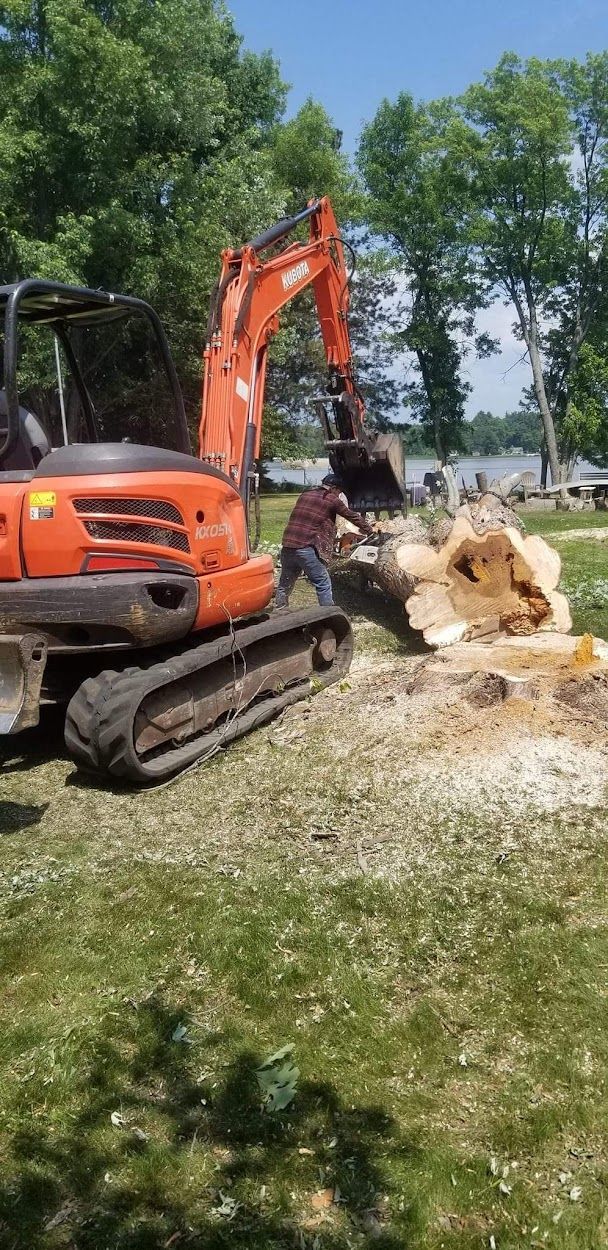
<point>43,499</point>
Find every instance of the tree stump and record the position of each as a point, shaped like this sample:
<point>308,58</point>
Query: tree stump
<point>545,668</point>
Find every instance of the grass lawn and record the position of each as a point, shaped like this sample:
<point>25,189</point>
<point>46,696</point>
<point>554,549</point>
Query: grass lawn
<point>431,936</point>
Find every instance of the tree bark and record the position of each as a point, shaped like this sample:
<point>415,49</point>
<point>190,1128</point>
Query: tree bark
<point>474,577</point>
<point>543,403</point>
<point>529,329</point>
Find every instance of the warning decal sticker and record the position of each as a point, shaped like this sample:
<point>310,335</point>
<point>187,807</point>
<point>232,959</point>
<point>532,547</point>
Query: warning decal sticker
<point>43,499</point>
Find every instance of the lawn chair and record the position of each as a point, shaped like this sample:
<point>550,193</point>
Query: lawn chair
<point>529,484</point>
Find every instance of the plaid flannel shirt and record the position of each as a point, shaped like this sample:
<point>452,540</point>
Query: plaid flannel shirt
<point>313,521</point>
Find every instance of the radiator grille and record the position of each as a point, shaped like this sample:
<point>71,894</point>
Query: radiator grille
<point>156,508</point>
<point>122,531</point>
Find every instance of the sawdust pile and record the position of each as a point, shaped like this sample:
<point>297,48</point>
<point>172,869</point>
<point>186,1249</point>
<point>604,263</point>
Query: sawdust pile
<point>471,742</point>
<point>437,772</point>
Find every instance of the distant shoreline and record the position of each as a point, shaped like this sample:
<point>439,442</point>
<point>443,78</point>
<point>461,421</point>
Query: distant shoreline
<point>311,472</point>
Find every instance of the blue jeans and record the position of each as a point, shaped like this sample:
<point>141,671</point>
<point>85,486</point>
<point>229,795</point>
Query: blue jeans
<point>296,560</point>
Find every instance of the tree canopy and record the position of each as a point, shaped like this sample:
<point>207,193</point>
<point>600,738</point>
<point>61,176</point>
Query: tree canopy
<point>416,200</point>
<point>533,137</point>
<point>138,140</point>
<point>500,194</point>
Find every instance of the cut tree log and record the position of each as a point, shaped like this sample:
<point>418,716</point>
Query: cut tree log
<point>476,576</point>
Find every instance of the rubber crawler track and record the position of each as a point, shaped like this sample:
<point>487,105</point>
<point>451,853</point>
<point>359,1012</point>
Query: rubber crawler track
<point>100,718</point>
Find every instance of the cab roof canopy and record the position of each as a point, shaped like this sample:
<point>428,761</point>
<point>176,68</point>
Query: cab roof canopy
<point>54,304</point>
<point>35,299</point>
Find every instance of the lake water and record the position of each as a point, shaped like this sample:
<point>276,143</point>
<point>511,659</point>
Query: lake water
<point>415,469</point>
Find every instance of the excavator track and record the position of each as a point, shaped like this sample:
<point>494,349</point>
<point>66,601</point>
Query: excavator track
<point>146,725</point>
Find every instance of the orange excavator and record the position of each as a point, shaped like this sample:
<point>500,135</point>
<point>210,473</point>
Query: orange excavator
<point>128,588</point>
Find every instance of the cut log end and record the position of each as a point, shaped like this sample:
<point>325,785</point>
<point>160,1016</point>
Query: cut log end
<point>480,579</point>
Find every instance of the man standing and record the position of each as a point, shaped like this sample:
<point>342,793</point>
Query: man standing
<point>309,538</point>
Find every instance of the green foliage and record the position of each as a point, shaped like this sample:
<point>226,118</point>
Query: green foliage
<point>418,201</point>
<point>308,161</point>
<point>417,440</point>
<point>533,136</point>
<point>487,435</point>
<point>138,140</point>
<point>484,435</point>
<point>585,423</point>
<point>134,145</point>
<point>113,119</point>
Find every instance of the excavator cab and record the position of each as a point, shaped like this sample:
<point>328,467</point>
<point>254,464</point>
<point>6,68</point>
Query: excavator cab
<point>25,439</point>
<point>35,446</point>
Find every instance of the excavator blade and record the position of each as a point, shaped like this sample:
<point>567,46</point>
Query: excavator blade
<point>374,478</point>
<point>22,664</point>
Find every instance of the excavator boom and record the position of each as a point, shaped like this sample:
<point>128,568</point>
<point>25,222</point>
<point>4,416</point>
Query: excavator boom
<point>244,316</point>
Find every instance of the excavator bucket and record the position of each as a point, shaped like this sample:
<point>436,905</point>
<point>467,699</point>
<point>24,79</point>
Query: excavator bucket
<point>373,472</point>
<point>22,664</point>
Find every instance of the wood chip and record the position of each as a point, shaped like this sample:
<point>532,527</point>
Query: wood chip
<point>322,1199</point>
<point>361,860</point>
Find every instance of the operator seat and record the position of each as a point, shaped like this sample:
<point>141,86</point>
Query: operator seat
<point>32,444</point>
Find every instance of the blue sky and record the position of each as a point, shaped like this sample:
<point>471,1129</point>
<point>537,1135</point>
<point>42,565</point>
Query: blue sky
<point>350,54</point>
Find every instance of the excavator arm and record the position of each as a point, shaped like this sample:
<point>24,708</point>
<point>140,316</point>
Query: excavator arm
<point>242,321</point>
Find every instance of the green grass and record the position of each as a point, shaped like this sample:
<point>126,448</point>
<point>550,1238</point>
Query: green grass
<point>447,1009</point>
<point>584,565</point>
<point>275,511</point>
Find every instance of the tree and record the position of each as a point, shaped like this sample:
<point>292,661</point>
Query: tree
<point>522,429</point>
<point>417,200</point>
<point>307,159</point>
<point>534,135</point>
<point>135,143</point>
<point>486,434</point>
<point>415,439</point>
<point>585,425</point>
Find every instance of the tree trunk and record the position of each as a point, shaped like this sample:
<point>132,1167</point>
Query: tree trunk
<point>544,464</point>
<point>474,577</point>
<point>529,328</point>
<point>545,412</point>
